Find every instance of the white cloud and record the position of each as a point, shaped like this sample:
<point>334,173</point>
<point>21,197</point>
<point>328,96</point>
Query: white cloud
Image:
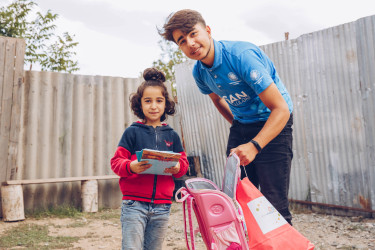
<point>119,38</point>
<point>104,54</point>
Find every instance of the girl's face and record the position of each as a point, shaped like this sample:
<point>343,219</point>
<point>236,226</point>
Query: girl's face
<point>153,105</point>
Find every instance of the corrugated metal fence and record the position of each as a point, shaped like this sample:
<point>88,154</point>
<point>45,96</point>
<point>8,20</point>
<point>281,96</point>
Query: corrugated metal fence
<point>330,76</point>
<point>71,127</point>
<point>60,125</point>
<point>68,126</point>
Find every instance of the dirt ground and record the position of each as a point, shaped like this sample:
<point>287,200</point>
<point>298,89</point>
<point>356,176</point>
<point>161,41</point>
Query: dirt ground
<point>325,231</point>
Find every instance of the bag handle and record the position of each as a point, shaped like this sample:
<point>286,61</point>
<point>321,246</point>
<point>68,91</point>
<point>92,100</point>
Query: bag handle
<point>244,169</point>
<point>184,194</point>
<point>192,231</point>
<point>189,200</point>
<point>186,198</point>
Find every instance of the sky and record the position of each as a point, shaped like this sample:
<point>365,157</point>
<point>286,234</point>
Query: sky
<point>119,37</point>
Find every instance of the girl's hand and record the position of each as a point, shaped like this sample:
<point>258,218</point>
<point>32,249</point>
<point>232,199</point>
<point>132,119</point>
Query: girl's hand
<point>138,167</point>
<point>173,170</point>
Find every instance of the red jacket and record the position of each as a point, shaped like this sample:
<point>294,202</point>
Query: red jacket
<point>147,187</point>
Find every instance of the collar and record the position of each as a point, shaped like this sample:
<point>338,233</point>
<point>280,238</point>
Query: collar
<point>218,47</point>
<point>162,125</point>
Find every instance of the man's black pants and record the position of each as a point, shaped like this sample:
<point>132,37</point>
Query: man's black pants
<point>270,169</point>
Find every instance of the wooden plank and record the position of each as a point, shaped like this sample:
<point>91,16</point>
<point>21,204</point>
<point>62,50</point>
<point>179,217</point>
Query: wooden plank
<point>15,120</point>
<point>6,102</point>
<point>2,63</point>
<point>57,180</point>
<point>3,153</point>
<point>3,142</point>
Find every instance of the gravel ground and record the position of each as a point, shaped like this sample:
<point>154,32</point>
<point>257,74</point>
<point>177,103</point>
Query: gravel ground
<point>94,233</point>
<point>333,232</point>
<point>324,231</point>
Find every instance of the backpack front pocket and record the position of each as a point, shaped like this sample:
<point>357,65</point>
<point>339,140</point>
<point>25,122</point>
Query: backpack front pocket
<point>225,237</point>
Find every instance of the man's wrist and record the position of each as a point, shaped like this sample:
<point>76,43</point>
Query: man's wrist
<point>257,146</point>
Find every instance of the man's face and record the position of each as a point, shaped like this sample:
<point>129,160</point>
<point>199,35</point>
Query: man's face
<point>197,45</point>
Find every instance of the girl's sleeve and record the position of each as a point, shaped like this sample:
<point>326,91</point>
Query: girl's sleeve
<point>184,163</point>
<point>120,163</point>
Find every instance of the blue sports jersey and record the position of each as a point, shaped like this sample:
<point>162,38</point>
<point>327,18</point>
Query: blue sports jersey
<point>240,72</point>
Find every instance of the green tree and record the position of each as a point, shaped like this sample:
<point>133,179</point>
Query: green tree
<point>59,55</point>
<point>43,46</point>
<point>13,18</point>
<point>39,32</point>
<point>171,56</point>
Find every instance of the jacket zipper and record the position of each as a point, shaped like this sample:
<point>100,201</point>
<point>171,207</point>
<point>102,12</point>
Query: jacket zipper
<point>155,177</point>
<point>156,135</point>
<point>154,189</point>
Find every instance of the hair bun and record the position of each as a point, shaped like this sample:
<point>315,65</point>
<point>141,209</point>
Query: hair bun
<point>153,74</point>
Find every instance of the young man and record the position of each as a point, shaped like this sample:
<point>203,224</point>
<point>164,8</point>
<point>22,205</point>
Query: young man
<point>243,84</point>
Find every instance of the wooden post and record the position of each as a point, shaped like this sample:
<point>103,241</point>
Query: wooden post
<point>15,117</point>
<point>12,53</point>
<point>12,203</point>
<point>197,166</point>
<point>286,36</point>
<point>89,193</point>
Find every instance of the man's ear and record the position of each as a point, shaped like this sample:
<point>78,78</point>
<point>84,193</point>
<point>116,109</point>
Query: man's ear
<point>208,30</point>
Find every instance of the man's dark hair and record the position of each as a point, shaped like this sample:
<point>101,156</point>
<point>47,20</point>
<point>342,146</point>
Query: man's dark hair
<point>153,78</point>
<point>183,20</point>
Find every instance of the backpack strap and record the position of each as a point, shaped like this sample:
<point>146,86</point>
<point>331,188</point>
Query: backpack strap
<point>187,198</point>
<point>192,231</point>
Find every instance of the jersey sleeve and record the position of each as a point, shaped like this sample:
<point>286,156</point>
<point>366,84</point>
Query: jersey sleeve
<point>254,71</point>
<point>202,86</point>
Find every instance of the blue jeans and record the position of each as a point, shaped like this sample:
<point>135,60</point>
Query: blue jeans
<point>271,168</point>
<point>144,224</point>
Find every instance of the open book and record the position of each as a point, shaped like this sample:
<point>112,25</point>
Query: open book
<point>159,160</point>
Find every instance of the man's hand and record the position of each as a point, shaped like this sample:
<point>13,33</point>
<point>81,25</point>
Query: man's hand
<point>245,152</point>
<point>138,167</point>
<point>173,170</point>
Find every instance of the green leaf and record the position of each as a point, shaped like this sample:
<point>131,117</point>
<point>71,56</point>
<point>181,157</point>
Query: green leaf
<point>170,56</point>
<point>43,46</point>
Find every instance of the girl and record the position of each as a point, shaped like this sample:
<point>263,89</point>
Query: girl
<point>146,198</point>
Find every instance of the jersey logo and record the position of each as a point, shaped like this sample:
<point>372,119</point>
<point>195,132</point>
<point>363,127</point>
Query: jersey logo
<point>232,76</point>
<point>255,76</point>
<point>237,98</point>
<point>168,143</point>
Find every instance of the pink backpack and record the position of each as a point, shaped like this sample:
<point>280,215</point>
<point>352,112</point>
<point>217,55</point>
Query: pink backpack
<point>220,221</point>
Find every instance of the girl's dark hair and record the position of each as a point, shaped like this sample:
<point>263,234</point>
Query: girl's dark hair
<point>155,78</point>
<point>183,20</point>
